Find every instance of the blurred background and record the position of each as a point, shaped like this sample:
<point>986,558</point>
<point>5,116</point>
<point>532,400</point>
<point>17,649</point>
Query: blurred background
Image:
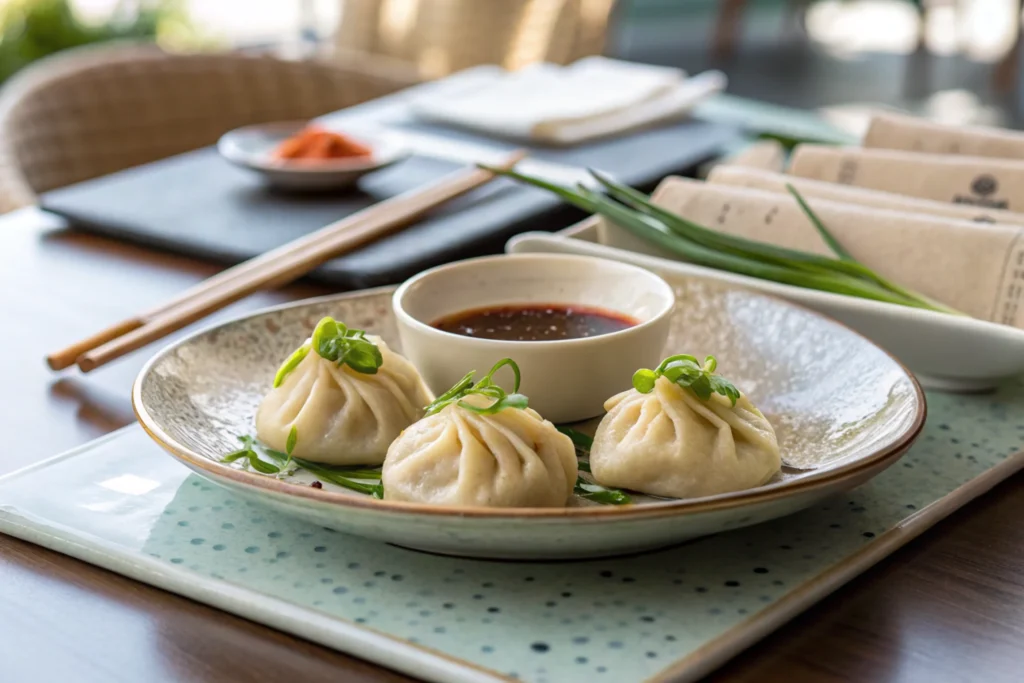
<point>954,60</point>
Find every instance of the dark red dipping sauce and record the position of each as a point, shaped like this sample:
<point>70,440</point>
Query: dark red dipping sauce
<point>534,322</point>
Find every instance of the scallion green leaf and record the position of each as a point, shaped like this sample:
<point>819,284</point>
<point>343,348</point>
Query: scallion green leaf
<point>293,438</point>
<point>281,465</point>
<point>261,465</point>
<point>485,387</point>
<point>334,476</point>
<point>235,455</point>
<point>293,362</point>
<point>686,371</point>
<point>635,213</point>
<point>643,380</point>
<point>346,346</point>
<point>600,494</point>
<point>586,489</point>
<point>847,257</point>
<point>579,439</point>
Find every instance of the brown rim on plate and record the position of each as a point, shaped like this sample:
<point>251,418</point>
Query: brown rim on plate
<point>885,456</point>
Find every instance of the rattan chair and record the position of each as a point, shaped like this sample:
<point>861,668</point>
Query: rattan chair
<point>439,37</point>
<point>91,111</point>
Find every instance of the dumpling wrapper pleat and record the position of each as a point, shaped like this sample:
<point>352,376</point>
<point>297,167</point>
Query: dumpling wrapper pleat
<point>672,443</point>
<point>343,417</point>
<point>513,458</point>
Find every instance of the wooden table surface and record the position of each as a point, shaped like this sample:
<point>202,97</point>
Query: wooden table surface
<point>948,607</point>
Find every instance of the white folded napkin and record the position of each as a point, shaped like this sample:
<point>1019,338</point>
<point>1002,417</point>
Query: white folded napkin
<point>564,105</point>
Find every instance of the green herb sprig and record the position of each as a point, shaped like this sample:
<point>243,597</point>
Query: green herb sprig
<point>293,362</point>
<point>634,212</point>
<point>283,464</point>
<point>587,489</point>
<point>252,458</point>
<point>336,342</point>
<point>582,442</point>
<point>347,478</point>
<point>600,494</point>
<point>687,372</point>
<point>791,140</point>
<point>485,387</point>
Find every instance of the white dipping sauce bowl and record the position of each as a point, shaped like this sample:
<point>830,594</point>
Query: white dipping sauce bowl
<point>566,380</point>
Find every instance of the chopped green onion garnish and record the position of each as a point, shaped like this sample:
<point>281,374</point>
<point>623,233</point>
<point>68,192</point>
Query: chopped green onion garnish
<point>584,488</point>
<point>579,439</point>
<point>600,494</point>
<point>335,342</point>
<point>485,387</point>
<point>687,372</point>
<point>293,362</point>
<point>282,465</point>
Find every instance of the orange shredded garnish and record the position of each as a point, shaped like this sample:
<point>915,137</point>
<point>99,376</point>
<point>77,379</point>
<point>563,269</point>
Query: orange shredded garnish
<point>313,142</point>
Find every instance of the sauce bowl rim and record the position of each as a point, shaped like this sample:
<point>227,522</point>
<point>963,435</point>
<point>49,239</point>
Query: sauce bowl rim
<point>667,295</point>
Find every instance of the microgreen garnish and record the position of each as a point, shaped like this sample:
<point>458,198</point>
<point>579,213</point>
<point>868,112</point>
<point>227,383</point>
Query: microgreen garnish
<point>366,480</point>
<point>293,438</point>
<point>354,478</point>
<point>336,342</point>
<point>687,372</point>
<point>346,478</point>
<point>262,466</point>
<point>252,458</point>
<point>600,494</point>
<point>581,441</point>
<point>293,362</point>
<point>289,444</point>
<point>587,489</point>
<point>791,140</point>
<point>485,387</point>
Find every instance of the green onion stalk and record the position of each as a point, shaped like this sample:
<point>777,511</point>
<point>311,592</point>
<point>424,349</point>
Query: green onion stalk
<point>635,212</point>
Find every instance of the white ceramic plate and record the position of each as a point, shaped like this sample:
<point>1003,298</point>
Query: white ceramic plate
<point>946,352</point>
<point>838,403</point>
<point>252,147</point>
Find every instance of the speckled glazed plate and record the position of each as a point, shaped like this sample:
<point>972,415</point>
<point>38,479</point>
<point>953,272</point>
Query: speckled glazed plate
<point>839,404</point>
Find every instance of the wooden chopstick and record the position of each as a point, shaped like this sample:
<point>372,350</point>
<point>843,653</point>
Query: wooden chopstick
<point>272,269</point>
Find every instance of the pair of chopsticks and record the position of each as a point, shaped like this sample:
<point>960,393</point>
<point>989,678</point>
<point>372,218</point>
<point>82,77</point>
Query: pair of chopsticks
<point>272,269</point>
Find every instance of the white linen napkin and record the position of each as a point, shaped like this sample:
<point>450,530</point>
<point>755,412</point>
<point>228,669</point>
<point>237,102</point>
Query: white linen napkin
<point>564,105</point>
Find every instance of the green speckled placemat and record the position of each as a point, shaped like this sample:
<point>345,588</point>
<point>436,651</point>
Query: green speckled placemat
<point>123,504</point>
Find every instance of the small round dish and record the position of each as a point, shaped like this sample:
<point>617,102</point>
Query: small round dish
<point>567,380</point>
<point>252,147</point>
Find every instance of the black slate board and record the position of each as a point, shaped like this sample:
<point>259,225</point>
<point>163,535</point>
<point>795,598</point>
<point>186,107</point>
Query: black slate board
<point>197,204</point>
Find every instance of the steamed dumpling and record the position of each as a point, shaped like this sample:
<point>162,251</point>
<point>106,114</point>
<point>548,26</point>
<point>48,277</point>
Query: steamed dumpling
<point>671,443</point>
<point>342,416</point>
<point>512,458</point>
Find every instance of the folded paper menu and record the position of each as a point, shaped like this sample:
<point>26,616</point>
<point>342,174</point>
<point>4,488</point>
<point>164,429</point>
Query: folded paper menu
<point>896,131</point>
<point>769,155</point>
<point>729,174</point>
<point>563,105</point>
<point>977,181</point>
<point>975,268</point>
